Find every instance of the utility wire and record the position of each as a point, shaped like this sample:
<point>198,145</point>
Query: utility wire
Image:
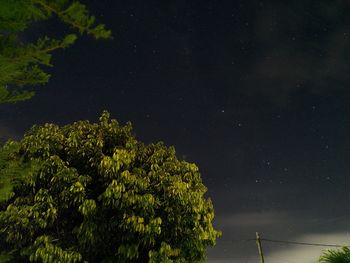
<point>302,243</point>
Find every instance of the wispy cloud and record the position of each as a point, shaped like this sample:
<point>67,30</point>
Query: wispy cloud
<point>252,219</point>
<point>238,245</point>
<point>292,58</point>
<point>306,254</point>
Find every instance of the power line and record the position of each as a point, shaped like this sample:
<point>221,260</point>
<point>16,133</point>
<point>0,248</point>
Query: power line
<point>261,255</point>
<point>290,242</point>
<point>301,243</point>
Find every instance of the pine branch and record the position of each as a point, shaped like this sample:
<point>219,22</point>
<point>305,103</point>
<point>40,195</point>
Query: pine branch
<point>77,15</point>
<point>39,52</point>
<point>11,97</point>
<point>15,16</point>
<point>20,64</point>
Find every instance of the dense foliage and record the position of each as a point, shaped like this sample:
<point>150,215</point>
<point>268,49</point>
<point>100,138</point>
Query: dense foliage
<point>336,256</point>
<point>93,193</point>
<point>21,62</point>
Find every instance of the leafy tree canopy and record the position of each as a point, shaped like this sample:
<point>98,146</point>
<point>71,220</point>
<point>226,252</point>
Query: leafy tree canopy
<point>21,62</point>
<point>90,192</point>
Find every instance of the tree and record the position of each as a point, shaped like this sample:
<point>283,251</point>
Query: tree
<point>21,62</point>
<point>336,256</point>
<point>90,192</point>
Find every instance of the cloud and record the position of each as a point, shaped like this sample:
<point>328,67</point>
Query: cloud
<point>298,51</point>
<point>306,254</point>
<point>238,245</point>
<point>253,219</point>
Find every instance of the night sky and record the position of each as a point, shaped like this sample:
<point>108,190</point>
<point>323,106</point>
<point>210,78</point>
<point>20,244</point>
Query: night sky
<point>256,93</point>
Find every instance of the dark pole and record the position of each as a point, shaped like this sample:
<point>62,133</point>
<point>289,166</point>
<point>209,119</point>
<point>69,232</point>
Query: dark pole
<point>258,242</point>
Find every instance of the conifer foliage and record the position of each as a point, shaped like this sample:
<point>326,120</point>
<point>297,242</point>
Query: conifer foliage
<point>90,192</point>
<point>21,63</point>
<point>335,256</point>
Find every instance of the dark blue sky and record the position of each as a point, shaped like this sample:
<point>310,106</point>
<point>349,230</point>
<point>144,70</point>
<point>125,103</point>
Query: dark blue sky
<point>255,92</point>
